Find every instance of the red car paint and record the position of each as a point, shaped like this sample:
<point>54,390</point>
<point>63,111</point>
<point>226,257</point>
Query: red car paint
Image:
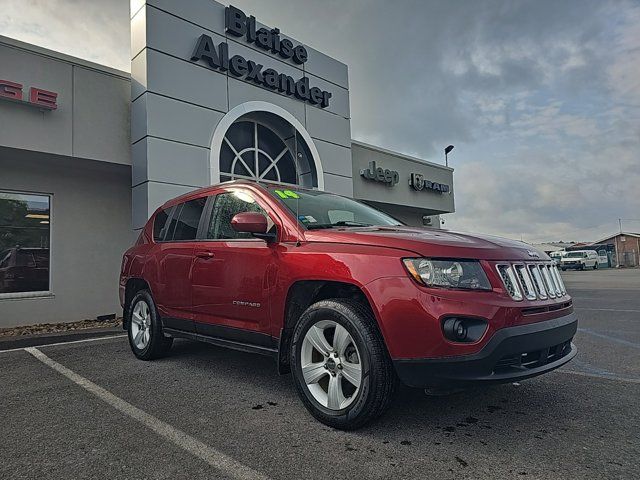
<point>203,281</point>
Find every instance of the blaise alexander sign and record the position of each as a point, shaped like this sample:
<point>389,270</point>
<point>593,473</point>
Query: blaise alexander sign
<point>239,25</point>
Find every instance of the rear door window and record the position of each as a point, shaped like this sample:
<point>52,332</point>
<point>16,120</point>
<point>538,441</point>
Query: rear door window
<point>188,219</point>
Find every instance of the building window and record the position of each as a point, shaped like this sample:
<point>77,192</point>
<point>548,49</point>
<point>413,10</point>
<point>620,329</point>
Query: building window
<point>253,151</point>
<point>25,238</point>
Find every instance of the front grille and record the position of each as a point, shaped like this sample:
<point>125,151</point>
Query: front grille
<point>533,359</point>
<point>533,281</point>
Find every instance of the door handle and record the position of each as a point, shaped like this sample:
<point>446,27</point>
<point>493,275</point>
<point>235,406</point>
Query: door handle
<point>205,255</point>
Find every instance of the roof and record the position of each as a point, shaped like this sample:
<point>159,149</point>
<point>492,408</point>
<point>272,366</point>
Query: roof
<point>63,57</point>
<point>626,234</point>
<point>403,156</point>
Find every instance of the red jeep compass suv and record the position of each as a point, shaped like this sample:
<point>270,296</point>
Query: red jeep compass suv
<point>343,296</point>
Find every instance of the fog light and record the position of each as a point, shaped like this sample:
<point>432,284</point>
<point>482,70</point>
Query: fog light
<point>463,330</point>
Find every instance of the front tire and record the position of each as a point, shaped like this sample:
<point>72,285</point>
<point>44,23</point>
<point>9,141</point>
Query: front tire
<point>595,266</point>
<point>144,327</point>
<point>341,368</point>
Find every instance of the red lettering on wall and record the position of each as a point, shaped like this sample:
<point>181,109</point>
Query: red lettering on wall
<point>43,98</point>
<point>10,90</point>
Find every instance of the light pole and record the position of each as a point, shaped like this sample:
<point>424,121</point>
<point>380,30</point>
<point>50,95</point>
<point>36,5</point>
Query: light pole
<point>446,154</point>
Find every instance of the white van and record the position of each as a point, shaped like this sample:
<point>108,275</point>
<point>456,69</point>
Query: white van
<point>557,256</point>
<point>580,260</point>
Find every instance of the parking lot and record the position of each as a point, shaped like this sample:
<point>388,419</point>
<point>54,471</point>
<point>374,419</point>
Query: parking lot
<point>91,410</point>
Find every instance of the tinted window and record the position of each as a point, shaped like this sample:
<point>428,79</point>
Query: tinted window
<point>24,242</point>
<point>225,207</point>
<point>159,224</point>
<point>186,226</point>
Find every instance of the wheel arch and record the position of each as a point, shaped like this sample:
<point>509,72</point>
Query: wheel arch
<point>304,293</point>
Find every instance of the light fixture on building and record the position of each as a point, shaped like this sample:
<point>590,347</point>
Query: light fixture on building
<point>446,154</point>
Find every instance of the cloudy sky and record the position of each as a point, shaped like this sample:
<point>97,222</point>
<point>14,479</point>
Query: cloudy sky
<point>541,98</point>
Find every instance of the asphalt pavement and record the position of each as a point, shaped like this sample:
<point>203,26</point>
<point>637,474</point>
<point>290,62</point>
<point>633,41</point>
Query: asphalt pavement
<point>91,410</point>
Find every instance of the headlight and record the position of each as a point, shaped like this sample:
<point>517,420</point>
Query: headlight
<point>466,274</point>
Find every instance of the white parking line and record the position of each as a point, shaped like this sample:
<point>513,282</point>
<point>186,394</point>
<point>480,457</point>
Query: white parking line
<point>607,309</point>
<point>621,341</point>
<point>597,375</point>
<point>93,339</point>
<point>225,464</point>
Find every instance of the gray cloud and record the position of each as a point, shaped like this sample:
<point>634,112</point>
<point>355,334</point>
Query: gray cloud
<point>540,97</point>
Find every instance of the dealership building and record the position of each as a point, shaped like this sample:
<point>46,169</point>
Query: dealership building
<point>87,152</point>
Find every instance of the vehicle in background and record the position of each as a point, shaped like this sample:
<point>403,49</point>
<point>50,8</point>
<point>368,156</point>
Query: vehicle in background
<point>603,258</point>
<point>579,260</point>
<point>24,269</point>
<point>557,256</point>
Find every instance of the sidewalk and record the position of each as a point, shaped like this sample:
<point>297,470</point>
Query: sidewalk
<point>22,341</point>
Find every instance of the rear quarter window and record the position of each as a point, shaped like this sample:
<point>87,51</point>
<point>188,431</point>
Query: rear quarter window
<point>159,225</point>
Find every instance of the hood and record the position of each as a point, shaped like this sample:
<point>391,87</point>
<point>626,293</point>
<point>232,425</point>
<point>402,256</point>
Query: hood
<point>431,242</point>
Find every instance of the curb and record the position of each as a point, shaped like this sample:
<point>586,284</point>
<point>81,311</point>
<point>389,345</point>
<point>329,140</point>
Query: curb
<point>23,341</point>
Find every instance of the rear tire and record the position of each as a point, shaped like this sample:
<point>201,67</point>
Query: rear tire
<point>337,341</point>
<point>144,328</point>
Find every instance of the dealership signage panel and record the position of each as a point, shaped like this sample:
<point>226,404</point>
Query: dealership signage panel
<point>37,97</point>
<point>239,25</point>
<point>417,181</point>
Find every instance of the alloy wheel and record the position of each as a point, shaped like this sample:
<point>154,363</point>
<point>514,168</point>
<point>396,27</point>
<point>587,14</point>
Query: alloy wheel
<point>331,365</point>
<point>141,324</point>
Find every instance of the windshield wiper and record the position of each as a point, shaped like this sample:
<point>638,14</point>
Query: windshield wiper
<point>350,223</point>
<point>341,223</point>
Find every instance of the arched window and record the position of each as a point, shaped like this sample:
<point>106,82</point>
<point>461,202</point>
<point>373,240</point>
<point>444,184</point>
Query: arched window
<point>263,142</point>
<point>253,151</point>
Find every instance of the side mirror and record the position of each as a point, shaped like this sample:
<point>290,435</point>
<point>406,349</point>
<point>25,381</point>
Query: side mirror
<point>254,223</point>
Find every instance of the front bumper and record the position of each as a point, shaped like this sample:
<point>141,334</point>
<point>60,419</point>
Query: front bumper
<point>513,353</point>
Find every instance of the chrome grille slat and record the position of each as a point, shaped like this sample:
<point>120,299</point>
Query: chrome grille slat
<point>556,272</point>
<point>554,280</point>
<point>525,281</point>
<point>509,281</point>
<point>537,278</point>
<point>547,281</point>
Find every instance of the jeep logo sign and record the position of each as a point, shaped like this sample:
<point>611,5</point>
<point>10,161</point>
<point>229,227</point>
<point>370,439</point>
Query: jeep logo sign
<point>379,174</point>
<point>418,182</point>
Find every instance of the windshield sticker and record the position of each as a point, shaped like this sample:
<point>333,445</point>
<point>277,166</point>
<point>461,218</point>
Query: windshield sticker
<point>311,219</point>
<point>284,194</point>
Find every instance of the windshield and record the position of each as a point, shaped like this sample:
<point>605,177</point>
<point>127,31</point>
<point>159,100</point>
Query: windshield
<point>575,254</point>
<point>324,210</point>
